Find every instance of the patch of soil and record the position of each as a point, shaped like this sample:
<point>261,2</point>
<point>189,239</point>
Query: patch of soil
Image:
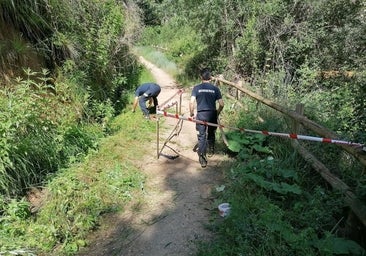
<point>36,197</point>
<point>177,200</point>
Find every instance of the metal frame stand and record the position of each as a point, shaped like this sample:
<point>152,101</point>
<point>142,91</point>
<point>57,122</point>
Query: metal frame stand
<point>175,132</point>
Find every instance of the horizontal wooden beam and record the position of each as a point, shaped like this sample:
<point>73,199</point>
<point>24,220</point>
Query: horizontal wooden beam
<point>351,200</point>
<point>358,153</point>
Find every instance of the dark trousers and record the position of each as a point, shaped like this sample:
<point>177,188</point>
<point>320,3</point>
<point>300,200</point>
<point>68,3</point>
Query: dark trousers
<point>206,133</point>
<point>142,102</point>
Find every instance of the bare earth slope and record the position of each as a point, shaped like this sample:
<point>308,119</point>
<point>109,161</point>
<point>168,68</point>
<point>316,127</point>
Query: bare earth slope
<point>177,195</point>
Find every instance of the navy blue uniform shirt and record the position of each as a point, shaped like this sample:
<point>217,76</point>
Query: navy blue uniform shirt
<point>206,96</point>
<point>151,89</point>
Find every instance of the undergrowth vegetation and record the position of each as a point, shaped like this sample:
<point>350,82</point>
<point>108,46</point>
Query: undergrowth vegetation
<point>278,207</point>
<point>56,217</point>
<point>65,74</point>
<point>57,174</point>
<point>38,136</point>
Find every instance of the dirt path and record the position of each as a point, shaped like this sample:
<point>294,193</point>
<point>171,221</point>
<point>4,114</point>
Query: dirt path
<point>177,199</point>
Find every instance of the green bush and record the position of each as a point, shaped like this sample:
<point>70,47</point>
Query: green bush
<point>40,131</point>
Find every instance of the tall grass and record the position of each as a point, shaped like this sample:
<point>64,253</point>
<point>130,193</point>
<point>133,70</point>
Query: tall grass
<point>41,131</point>
<point>158,58</point>
<point>94,176</point>
<point>76,197</point>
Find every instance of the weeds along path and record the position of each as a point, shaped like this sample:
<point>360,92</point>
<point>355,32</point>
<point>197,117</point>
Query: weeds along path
<point>171,216</point>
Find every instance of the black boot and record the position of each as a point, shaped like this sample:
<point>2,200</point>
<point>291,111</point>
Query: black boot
<point>203,160</point>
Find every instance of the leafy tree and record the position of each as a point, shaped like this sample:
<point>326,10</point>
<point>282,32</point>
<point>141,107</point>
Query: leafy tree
<point>89,34</point>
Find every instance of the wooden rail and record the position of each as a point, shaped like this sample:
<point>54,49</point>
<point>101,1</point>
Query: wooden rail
<point>317,128</point>
<point>353,202</point>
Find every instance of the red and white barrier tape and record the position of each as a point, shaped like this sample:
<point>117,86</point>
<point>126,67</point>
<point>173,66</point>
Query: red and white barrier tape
<point>171,104</point>
<point>179,92</point>
<point>287,135</point>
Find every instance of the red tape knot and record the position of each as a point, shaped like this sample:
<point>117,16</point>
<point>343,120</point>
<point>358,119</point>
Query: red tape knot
<point>265,132</point>
<point>293,136</point>
<point>327,140</point>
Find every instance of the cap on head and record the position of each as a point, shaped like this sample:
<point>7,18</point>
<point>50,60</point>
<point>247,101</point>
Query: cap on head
<point>206,74</point>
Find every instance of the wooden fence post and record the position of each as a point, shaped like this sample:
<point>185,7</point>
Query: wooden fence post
<point>258,91</point>
<point>238,92</point>
<point>299,110</point>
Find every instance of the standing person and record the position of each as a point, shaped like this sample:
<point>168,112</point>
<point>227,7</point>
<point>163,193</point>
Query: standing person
<point>206,95</point>
<point>146,92</point>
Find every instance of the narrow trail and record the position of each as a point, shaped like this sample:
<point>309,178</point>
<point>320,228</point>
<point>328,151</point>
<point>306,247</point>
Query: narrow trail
<point>171,217</point>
